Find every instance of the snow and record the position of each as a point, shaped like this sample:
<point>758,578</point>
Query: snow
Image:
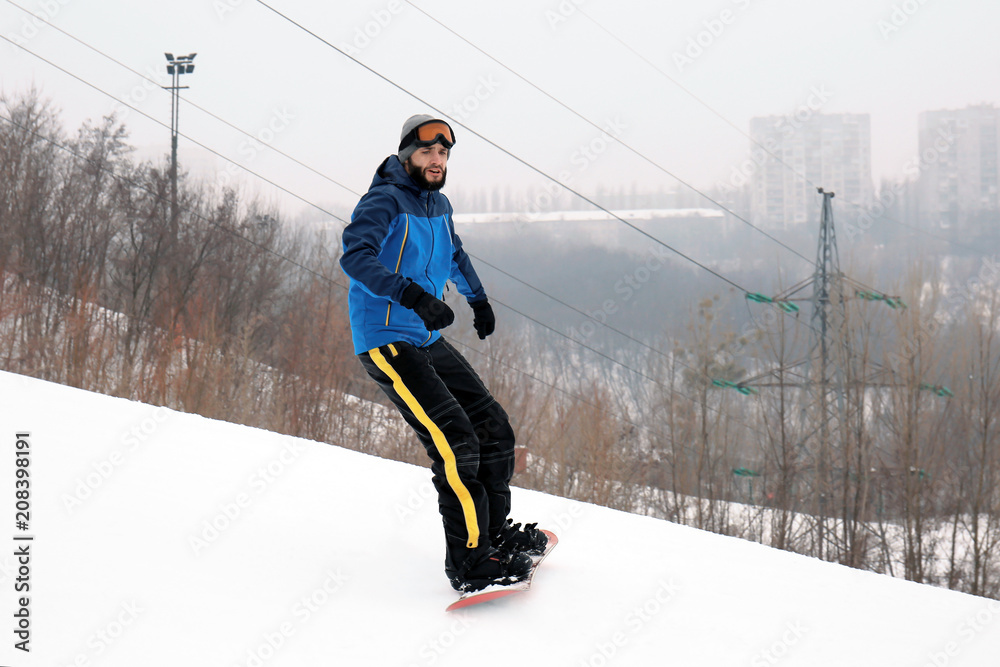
<point>163,538</point>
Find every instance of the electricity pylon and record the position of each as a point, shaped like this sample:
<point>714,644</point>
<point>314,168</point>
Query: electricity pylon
<point>828,359</point>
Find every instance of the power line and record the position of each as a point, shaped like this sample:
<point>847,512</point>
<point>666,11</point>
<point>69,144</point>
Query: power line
<point>692,95</point>
<point>159,122</point>
<point>193,104</point>
<point>924,232</point>
<point>121,179</point>
<point>617,139</point>
<point>749,137</point>
<point>545,383</point>
<point>500,148</point>
<point>568,305</point>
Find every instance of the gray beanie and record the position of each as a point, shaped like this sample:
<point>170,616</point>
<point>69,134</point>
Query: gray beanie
<point>413,121</point>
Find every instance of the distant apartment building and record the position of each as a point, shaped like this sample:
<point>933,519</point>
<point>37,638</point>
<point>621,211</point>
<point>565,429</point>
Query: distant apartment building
<point>831,151</point>
<point>959,153</point>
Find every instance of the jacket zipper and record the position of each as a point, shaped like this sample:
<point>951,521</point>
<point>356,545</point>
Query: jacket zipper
<point>430,258</point>
<point>399,262</point>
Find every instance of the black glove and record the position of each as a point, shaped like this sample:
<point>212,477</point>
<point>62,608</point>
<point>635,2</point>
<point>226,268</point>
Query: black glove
<point>483,318</point>
<point>433,311</point>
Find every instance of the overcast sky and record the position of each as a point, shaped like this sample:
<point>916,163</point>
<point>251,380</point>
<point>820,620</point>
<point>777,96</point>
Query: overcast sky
<point>668,78</point>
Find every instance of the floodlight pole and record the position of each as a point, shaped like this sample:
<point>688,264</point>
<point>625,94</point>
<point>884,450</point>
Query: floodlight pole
<point>175,68</point>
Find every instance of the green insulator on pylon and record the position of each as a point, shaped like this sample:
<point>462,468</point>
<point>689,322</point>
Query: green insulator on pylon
<point>729,384</point>
<point>894,302</point>
<point>759,298</point>
<point>938,389</point>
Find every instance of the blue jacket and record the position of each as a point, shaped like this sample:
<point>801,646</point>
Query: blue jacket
<point>400,233</point>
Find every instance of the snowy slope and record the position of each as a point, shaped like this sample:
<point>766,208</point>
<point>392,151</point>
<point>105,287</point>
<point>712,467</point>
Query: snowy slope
<point>168,539</point>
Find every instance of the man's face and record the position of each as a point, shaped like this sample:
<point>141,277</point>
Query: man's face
<point>429,166</point>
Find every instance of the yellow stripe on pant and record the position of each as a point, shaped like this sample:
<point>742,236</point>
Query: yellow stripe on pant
<point>440,442</point>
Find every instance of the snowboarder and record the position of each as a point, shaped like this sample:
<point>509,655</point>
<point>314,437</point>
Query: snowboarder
<point>400,249</point>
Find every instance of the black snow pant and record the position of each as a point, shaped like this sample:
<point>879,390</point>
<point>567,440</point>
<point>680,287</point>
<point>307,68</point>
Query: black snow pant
<point>466,433</point>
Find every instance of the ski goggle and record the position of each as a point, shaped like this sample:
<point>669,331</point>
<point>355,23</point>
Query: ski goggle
<point>428,134</point>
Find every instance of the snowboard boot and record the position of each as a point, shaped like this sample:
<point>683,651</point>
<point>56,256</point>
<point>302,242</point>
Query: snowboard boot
<point>495,568</point>
<point>512,538</point>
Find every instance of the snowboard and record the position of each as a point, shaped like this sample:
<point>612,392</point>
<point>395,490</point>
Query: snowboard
<point>495,592</point>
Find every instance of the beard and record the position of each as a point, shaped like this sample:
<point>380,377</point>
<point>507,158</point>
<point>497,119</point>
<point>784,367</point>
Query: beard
<point>417,174</point>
